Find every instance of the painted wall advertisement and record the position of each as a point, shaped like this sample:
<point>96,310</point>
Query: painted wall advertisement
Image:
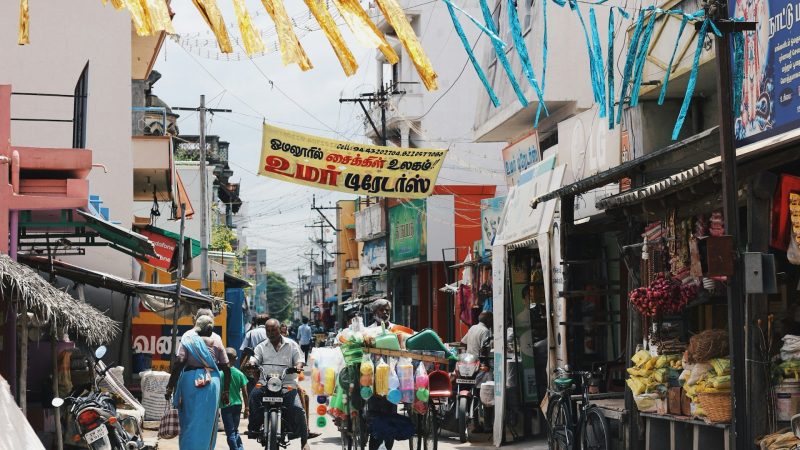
<point>491,216</point>
<point>351,167</point>
<point>408,235</point>
<point>520,155</point>
<point>771,87</point>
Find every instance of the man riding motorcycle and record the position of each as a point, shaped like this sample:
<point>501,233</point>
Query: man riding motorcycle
<point>273,355</point>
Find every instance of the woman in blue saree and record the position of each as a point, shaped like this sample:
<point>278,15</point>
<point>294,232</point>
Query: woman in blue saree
<point>195,380</point>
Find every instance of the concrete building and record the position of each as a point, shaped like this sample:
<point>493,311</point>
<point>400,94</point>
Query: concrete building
<point>442,118</point>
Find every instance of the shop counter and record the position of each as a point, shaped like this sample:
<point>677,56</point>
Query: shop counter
<point>668,432</point>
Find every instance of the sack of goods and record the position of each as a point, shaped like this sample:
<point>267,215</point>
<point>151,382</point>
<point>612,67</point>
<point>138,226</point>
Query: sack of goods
<point>154,386</point>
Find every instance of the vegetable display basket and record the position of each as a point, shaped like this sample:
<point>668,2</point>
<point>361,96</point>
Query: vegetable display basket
<point>717,406</point>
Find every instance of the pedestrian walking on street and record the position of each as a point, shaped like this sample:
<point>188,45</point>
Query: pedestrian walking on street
<point>195,380</point>
<point>232,411</point>
<point>304,337</point>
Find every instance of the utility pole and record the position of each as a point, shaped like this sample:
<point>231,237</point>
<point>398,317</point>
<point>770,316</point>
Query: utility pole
<point>310,280</point>
<point>178,283</point>
<point>204,230</point>
<point>381,98</point>
<point>717,10</point>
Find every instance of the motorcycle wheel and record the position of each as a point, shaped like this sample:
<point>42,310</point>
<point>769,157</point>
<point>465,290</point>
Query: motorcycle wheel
<point>463,423</point>
<point>272,427</point>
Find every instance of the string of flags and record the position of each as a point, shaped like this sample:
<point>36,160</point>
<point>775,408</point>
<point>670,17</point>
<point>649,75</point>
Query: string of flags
<point>153,16</point>
<point>601,69</point>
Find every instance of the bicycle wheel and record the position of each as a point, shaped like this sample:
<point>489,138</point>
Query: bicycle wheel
<point>431,429</point>
<point>559,426</point>
<point>594,432</point>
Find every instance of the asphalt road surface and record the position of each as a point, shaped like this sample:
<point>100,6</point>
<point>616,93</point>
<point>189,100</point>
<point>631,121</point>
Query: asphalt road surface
<point>330,439</point>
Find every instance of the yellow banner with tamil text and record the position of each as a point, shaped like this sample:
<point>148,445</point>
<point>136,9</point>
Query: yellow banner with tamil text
<point>352,167</point>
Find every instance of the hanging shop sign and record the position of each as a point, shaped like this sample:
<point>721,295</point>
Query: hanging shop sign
<point>164,247</point>
<point>351,167</point>
<point>769,94</point>
<point>491,215</point>
<point>408,227</point>
<point>520,155</point>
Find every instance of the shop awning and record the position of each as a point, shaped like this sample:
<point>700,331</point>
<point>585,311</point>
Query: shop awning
<point>682,179</point>
<point>119,284</point>
<point>52,305</point>
<point>232,281</point>
<point>334,298</point>
<point>119,238</point>
<point>522,223</point>
<point>772,148</point>
<point>677,156</point>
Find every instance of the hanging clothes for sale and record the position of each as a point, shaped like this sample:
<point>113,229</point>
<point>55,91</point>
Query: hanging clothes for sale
<point>465,300</point>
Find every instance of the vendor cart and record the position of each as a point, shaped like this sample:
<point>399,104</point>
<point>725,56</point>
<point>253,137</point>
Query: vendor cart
<point>427,424</point>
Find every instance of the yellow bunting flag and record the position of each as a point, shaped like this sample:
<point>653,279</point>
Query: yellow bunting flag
<point>320,11</point>
<point>397,19</point>
<point>24,23</point>
<point>140,15</point>
<point>364,30</point>
<point>116,3</point>
<point>250,37</point>
<point>210,12</point>
<point>291,50</point>
<point>351,167</point>
<point>159,16</point>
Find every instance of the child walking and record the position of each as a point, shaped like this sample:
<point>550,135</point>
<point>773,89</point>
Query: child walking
<point>232,412</point>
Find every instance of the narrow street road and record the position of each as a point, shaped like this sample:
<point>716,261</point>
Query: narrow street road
<point>330,440</point>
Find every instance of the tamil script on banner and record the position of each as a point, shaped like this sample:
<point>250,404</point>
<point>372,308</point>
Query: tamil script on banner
<point>351,167</point>
<point>771,87</point>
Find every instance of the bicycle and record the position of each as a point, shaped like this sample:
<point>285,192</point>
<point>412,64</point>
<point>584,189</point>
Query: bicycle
<point>591,428</point>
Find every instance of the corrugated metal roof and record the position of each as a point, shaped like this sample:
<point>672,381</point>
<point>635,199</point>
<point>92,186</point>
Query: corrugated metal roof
<point>692,175</point>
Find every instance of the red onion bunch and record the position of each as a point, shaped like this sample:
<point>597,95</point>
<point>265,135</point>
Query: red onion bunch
<point>664,295</point>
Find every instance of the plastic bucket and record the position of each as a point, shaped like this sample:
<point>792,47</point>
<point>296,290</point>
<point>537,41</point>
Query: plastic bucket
<point>788,394</point>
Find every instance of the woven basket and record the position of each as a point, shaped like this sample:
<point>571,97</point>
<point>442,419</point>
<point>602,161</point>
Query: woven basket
<point>717,406</point>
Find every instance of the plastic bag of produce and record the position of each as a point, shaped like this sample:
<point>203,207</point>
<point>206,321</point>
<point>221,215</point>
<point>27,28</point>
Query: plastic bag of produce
<point>646,402</point>
<point>699,372</point>
<point>641,357</point>
<point>637,385</point>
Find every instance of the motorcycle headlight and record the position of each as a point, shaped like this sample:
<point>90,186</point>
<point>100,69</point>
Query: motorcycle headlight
<point>466,369</point>
<point>274,384</point>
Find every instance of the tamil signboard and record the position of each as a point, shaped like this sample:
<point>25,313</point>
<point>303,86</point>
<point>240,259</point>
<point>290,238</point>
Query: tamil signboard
<point>351,167</point>
<point>520,155</point>
<point>770,103</point>
<point>408,239</point>
<point>491,215</point>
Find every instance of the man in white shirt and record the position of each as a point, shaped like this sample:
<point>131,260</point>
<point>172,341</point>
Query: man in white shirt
<point>305,337</point>
<point>479,337</point>
<point>273,356</point>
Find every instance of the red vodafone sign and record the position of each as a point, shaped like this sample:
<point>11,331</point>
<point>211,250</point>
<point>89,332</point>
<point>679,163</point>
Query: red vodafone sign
<point>164,246</point>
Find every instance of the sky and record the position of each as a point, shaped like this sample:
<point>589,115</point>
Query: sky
<point>263,89</point>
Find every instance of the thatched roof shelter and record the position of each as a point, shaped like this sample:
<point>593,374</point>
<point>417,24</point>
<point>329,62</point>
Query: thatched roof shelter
<point>52,305</point>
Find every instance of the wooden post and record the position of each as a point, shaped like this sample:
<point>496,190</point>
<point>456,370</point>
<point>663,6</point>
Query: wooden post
<point>23,358</point>
<point>59,438</point>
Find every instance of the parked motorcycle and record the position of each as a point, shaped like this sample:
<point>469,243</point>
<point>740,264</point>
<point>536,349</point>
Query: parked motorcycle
<point>93,422</point>
<point>277,430</point>
<point>468,410</point>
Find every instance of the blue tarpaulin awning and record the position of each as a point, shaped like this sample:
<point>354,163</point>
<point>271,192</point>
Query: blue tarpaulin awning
<point>333,298</point>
